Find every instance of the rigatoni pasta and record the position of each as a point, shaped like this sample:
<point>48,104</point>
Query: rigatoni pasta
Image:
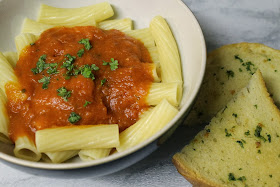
<point>128,71</point>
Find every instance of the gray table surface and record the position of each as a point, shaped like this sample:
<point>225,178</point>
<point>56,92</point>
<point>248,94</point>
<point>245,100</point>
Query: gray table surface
<point>223,22</point>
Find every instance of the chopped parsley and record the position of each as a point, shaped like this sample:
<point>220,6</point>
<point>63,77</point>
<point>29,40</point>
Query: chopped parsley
<point>86,43</point>
<point>240,143</point>
<point>243,178</point>
<point>46,81</point>
<point>41,65</point>
<point>52,68</point>
<point>87,103</point>
<point>235,115</point>
<point>80,52</point>
<point>275,70</point>
<point>103,81</point>
<point>68,64</point>
<point>231,177</point>
<point>113,64</point>
<point>64,93</point>
<point>240,70</point>
<point>230,73</point>
<point>269,138</point>
<point>32,44</point>
<point>270,176</point>
<point>257,133</point>
<point>207,130</point>
<point>74,118</point>
<point>86,71</point>
<point>227,133</point>
<point>238,58</point>
<point>256,106</point>
<point>259,151</point>
<point>247,133</point>
<point>94,67</point>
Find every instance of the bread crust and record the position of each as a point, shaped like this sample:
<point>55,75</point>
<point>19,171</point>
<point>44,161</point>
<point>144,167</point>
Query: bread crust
<point>195,179</point>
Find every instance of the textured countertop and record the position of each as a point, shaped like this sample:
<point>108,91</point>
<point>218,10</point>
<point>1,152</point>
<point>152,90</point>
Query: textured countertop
<point>223,22</point>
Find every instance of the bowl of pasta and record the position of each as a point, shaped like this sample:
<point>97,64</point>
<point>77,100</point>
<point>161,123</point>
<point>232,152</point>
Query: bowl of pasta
<point>94,84</point>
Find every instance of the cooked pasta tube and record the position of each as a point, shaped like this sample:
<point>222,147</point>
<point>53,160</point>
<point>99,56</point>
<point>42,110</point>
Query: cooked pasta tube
<point>149,124</point>
<point>144,35</point>
<point>119,24</point>
<point>4,119</point>
<point>7,73</point>
<point>160,91</point>
<point>25,149</point>
<point>58,157</point>
<point>77,137</point>
<point>12,57</point>
<point>167,49</point>
<point>154,54</point>
<point>93,154</point>
<point>34,27</point>
<point>84,16</point>
<point>24,40</point>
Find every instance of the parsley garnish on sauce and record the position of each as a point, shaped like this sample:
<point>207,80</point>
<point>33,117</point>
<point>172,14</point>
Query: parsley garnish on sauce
<point>103,81</point>
<point>52,68</point>
<point>41,65</point>
<point>46,81</point>
<point>86,43</point>
<point>68,64</point>
<point>87,103</point>
<point>86,71</point>
<point>113,64</point>
<point>64,93</point>
<point>80,52</point>
<point>74,118</point>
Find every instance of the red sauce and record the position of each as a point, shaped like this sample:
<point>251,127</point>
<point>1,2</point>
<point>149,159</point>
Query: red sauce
<point>120,100</point>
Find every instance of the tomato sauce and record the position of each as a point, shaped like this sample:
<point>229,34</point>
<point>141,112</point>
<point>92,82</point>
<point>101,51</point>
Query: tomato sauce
<point>113,97</point>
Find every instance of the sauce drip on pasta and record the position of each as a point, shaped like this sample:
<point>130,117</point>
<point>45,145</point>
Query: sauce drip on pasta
<point>79,76</point>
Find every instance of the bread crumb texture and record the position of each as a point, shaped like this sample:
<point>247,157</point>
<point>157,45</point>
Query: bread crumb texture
<point>228,70</point>
<point>241,145</point>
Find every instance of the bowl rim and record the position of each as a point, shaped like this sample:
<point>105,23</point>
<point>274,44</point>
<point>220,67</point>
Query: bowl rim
<point>183,109</point>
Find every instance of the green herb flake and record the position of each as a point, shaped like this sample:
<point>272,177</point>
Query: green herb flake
<point>41,65</point>
<point>74,118</point>
<point>275,70</point>
<point>113,64</point>
<point>230,73</point>
<point>80,52</point>
<point>32,44</point>
<point>247,133</point>
<point>64,93</point>
<point>240,168</point>
<point>256,106</point>
<point>269,59</point>
<point>68,64</point>
<point>240,143</point>
<point>46,81</point>
<point>242,179</point>
<point>103,81</point>
<point>240,70</point>
<point>87,72</point>
<point>87,103</point>
<point>231,177</point>
<point>269,138</point>
<point>94,67</point>
<point>257,133</point>
<point>235,115</point>
<point>207,130</point>
<point>227,133</point>
<point>86,43</point>
<point>270,176</point>
<point>259,151</point>
<point>52,68</point>
<point>238,58</point>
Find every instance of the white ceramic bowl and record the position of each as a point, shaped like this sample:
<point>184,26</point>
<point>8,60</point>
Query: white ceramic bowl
<point>193,55</point>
